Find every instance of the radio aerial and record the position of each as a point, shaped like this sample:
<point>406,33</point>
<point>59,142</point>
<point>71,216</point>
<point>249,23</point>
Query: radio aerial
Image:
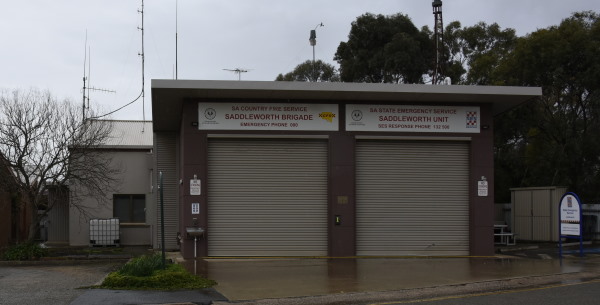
<point>238,71</point>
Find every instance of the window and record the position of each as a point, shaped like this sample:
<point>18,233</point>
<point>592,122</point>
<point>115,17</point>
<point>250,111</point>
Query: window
<point>130,208</point>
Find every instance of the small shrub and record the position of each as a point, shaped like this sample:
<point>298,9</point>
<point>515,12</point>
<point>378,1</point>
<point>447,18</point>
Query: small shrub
<point>174,277</point>
<point>142,266</point>
<point>25,251</point>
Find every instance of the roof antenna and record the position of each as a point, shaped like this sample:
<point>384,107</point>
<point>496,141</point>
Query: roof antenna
<point>87,59</point>
<point>238,71</point>
<point>438,34</point>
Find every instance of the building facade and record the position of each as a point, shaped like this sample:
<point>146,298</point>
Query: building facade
<point>327,169</point>
<point>130,198</point>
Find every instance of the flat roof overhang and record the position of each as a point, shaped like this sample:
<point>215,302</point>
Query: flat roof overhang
<point>168,96</point>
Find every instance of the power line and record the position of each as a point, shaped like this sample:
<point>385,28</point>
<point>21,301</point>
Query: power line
<point>101,116</point>
<point>142,93</point>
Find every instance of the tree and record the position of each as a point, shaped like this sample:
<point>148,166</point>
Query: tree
<point>385,49</point>
<point>46,143</point>
<point>475,52</point>
<point>308,71</point>
<point>558,142</point>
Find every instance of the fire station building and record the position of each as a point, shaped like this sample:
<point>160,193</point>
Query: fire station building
<point>327,169</point>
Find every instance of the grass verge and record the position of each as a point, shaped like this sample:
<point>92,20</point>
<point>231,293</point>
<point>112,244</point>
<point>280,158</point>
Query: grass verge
<point>145,273</point>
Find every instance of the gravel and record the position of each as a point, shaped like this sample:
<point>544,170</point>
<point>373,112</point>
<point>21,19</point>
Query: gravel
<point>50,282</point>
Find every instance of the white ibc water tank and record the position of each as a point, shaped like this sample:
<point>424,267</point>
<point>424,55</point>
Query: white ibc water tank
<point>105,232</point>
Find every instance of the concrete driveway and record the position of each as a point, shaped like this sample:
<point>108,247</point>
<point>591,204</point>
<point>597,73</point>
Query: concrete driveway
<point>253,279</point>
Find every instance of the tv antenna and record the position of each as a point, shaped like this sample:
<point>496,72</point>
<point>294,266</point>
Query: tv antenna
<point>87,87</point>
<point>238,71</point>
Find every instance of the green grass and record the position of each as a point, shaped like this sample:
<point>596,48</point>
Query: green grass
<point>142,266</point>
<point>145,273</point>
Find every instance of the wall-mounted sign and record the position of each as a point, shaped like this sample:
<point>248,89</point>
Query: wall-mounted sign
<point>482,188</point>
<point>412,118</point>
<point>570,215</point>
<point>265,116</point>
<point>195,187</point>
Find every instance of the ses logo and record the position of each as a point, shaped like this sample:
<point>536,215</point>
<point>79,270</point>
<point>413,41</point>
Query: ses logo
<point>472,119</point>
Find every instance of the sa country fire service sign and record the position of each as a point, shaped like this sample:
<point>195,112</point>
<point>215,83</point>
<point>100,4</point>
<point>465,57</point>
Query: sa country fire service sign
<point>412,118</point>
<point>265,116</point>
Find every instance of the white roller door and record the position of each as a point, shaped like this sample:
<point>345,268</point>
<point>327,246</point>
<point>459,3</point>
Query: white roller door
<point>412,198</point>
<point>267,197</point>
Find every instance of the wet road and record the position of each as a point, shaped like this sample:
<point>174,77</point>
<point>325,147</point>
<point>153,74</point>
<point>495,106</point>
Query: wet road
<point>582,293</point>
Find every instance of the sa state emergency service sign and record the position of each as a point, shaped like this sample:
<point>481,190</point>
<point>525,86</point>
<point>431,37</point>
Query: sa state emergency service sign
<point>413,118</point>
<point>266,116</point>
<point>570,215</point>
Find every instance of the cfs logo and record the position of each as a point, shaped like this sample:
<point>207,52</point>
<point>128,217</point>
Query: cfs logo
<point>327,116</point>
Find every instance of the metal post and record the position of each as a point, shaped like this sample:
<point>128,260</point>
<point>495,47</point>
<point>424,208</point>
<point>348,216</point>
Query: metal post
<point>162,218</point>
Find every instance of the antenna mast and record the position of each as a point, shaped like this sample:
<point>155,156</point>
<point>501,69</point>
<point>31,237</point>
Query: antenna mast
<point>176,32</point>
<point>84,78</point>
<point>438,36</point>
<point>143,63</point>
<point>86,98</point>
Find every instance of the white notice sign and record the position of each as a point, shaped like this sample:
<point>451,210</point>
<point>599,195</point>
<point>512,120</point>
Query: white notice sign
<point>195,188</point>
<point>412,118</point>
<point>482,188</point>
<point>265,116</point>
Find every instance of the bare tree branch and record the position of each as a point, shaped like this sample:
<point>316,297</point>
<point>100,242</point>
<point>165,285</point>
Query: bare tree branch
<point>47,143</point>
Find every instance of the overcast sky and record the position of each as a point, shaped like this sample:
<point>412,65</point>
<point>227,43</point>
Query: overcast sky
<point>43,41</point>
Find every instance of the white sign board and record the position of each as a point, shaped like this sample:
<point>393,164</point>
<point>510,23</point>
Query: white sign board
<point>265,116</point>
<point>195,187</point>
<point>195,208</point>
<point>482,188</point>
<point>570,215</point>
<point>412,118</point>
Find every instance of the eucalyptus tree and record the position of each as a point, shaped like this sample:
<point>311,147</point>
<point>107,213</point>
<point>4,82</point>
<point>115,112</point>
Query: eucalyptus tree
<point>385,49</point>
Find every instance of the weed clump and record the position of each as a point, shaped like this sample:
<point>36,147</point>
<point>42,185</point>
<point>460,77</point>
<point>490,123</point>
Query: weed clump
<point>146,273</point>
<point>24,251</point>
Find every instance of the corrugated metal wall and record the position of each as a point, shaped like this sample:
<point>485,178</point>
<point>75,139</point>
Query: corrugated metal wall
<point>412,198</point>
<point>58,221</point>
<point>166,161</point>
<point>267,197</point>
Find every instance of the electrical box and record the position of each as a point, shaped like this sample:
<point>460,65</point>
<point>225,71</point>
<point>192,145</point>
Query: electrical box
<point>195,208</point>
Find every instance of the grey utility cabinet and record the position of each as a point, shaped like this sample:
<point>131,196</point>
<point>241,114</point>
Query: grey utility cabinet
<point>534,212</point>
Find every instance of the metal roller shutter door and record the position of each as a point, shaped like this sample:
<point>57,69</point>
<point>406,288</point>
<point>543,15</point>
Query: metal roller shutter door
<point>267,197</point>
<point>412,198</point>
<point>166,162</point>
